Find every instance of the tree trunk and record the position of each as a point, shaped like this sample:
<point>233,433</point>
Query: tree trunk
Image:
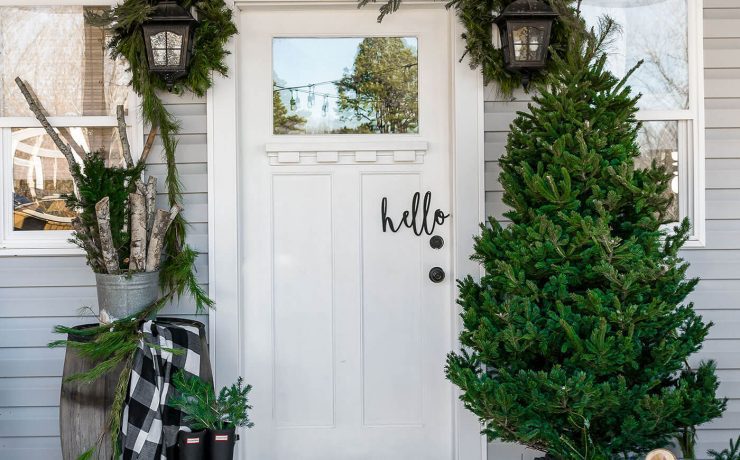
<point>137,260</point>
<point>102,210</point>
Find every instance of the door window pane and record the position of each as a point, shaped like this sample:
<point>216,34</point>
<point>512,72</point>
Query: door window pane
<point>345,85</point>
<point>63,59</point>
<point>657,32</point>
<point>41,176</point>
<point>658,142</point>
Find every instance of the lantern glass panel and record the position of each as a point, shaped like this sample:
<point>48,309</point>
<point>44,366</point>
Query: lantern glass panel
<point>528,41</point>
<point>167,49</point>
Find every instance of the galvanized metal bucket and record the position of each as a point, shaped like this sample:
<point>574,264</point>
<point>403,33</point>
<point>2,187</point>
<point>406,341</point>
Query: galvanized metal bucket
<point>123,295</point>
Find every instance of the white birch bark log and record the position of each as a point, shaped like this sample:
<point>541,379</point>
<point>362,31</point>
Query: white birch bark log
<point>151,204</point>
<point>162,222</point>
<point>108,251</point>
<point>89,245</point>
<point>137,259</point>
<point>123,136</point>
<point>140,187</point>
<point>148,144</point>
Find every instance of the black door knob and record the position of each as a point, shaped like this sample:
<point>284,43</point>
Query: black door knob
<point>437,275</point>
<point>436,242</point>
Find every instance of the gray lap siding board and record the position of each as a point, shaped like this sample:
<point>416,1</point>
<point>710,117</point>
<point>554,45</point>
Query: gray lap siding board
<point>37,293</point>
<point>718,264</point>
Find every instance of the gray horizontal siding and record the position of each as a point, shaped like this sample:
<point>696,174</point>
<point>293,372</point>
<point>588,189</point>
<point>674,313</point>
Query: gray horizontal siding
<point>718,264</point>
<point>37,293</point>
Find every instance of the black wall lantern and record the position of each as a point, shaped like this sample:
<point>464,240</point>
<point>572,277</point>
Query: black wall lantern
<point>525,27</point>
<point>168,36</point>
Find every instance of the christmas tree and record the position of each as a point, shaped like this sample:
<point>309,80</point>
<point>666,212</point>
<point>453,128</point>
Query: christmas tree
<point>577,336</point>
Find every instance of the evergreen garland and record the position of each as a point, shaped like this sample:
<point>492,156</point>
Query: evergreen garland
<point>214,29</point>
<point>477,17</point>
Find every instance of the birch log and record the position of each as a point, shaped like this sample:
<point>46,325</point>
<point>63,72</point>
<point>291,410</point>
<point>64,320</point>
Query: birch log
<point>140,187</point>
<point>151,204</point>
<point>137,260</point>
<point>148,144</point>
<point>38,112</point>
<point>102,211</point>
<point>94,256</point>
<point>162,222</point>
<point>125,146</point>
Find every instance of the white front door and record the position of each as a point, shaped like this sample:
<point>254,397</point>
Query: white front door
<point>345,332</point>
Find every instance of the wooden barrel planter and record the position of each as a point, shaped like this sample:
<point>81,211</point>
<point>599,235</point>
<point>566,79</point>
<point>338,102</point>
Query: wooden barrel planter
<point>84,408</point>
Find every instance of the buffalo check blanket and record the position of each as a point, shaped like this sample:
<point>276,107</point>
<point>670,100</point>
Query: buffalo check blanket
<point>149,427</point>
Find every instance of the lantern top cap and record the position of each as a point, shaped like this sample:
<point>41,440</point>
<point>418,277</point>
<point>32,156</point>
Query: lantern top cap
<point>527,9</point>
<point>170,11</point>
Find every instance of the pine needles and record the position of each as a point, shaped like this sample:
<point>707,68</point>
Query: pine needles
<point>197,399</point>
<point>733,453</point>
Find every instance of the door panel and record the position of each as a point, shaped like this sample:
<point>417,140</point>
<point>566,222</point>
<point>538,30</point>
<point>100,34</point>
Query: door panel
<point>391,306</point>
<point>345,334</point>
<point>302,285</point>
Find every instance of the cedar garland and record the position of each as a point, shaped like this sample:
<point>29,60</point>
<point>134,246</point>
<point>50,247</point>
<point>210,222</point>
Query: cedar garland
<point>215,27</point>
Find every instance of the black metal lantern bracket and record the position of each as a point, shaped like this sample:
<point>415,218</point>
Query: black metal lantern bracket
<point>168,36</point>
<point>525,27</point>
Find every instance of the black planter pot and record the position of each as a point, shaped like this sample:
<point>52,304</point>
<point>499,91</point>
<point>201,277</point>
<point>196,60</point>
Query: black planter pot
<point>546,457</point>
<point>221,444</point>
<point>192,446</point>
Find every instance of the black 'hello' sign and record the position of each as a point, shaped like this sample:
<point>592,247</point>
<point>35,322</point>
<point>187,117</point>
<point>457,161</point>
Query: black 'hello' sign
<point>415,219</point>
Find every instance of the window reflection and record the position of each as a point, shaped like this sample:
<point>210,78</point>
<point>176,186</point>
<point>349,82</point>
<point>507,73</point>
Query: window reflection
<point>657,32</point>
<point>63,59</point>
<point>658,141</point>
<point>41,176</point>
<point>345,85</point>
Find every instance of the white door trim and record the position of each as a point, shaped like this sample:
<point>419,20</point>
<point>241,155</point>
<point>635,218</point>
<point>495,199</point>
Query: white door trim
<point>468,198</point>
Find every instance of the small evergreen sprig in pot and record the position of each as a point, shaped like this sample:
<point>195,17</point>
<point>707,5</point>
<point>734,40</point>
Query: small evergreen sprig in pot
<point>220,415</point>
<point>205,410</point>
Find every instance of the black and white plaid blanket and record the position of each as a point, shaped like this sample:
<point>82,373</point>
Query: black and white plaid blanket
<point>149,427</point>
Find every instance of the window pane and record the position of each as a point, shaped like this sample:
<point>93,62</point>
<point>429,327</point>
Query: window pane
<point>658,141</point>
<point>41,176</point>
<point>345,85</point>
<point>655,31</point>
<point>63,59</point>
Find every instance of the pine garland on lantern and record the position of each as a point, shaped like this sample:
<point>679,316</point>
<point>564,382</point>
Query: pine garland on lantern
<point>577,336</point>
<point>477,17</point>
<point>215,26</point>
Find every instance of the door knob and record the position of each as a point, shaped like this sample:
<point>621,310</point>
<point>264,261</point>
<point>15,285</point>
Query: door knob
<point>437,275</point>
<point>436,242</point>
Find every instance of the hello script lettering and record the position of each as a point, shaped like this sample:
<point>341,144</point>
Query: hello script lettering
<point>419,223</point>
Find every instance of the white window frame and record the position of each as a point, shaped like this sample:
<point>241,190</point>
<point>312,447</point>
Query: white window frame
<point>48,242</point>
<point>691,180</point>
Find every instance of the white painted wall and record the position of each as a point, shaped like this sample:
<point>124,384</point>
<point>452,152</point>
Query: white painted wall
<point>37,293</point>
<point>718,264</point>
